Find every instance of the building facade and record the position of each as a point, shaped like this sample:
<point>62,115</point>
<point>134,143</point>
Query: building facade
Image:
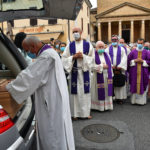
<point>130,19</point>
<point>60,29</point>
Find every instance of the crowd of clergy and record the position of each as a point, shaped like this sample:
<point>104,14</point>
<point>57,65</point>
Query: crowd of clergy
<point>96,77</point>
<point>99,75</point>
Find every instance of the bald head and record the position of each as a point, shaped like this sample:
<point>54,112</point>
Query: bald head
<point>100,45</point>
<point>32,44</point>
<point>77,29</point>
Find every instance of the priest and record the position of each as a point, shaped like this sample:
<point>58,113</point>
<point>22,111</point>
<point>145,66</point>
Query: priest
<point>102,83</point>
<point>119,64</point>
<point>45,76</point>
<point>77,61</point>
<point>138,67</point>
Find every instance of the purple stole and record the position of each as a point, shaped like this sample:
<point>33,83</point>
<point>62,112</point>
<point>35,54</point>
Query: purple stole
<point>100,78</point>
<point>45,47</point>
<point>118,54</point>
<point>74,74</point>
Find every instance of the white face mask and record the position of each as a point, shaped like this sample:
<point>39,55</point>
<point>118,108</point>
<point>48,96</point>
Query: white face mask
<point>76,35</point>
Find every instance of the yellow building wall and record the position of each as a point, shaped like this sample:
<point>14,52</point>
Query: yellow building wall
<point>104,5</point>
<point>78,23</point>
<point>43,28</point>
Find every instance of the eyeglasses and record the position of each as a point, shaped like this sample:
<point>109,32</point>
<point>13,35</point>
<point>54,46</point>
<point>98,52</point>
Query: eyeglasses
<point>114,40</point>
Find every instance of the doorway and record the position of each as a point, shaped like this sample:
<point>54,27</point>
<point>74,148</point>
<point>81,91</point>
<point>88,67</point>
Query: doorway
<point>126,35</point>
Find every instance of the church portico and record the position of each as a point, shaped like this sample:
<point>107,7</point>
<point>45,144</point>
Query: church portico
<point>128,20</point>
<point>129,30</point>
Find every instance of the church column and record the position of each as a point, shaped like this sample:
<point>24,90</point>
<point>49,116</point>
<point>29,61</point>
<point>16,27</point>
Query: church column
<point>132,32</point>
<point>99,32</point>
<point>120,29</point>
<point>143,29</point>
<point>109,32</point>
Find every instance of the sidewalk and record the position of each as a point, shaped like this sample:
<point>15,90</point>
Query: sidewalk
<point>132,121</point>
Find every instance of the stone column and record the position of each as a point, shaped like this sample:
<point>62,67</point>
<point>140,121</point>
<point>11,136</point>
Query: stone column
<point>109,32</point>
<point>99,32</point>
<point>132,32</point>
<point>143,29</point>
<point>120,29</point>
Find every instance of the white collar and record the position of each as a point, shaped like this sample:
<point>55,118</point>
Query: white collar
<point>140,49</point>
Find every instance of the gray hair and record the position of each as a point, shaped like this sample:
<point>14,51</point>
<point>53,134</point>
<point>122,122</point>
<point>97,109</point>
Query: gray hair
<point>99,42</point>
<point>32,39</point>
<point>147,43</point>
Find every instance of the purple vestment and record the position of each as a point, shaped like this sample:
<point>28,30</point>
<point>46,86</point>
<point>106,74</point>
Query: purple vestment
<point>45,47</point>
<point>100,77</point>
<point>74,74</point>
<point>133,72</point>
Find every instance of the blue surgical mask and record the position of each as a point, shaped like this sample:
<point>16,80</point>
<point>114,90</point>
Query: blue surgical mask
<point>31,55</point>
<point>114,43</point>
<point>122,45</point>
<point>100,51</point>
<point>76,35</point>
<point>62,48</point>
<point>57,46</point>
<point>140,46</point>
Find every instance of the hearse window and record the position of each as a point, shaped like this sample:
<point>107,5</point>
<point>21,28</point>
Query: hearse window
<point>6,5</point>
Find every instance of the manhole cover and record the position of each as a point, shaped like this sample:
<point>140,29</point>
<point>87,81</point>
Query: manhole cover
<point>100,133</point>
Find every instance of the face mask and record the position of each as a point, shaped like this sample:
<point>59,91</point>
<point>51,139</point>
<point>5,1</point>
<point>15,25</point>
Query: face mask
<point>31,55</point>
<point>122,45</point>
<point>146,48</point>
<point>114,44</point>
<point>100,51</point>
<point>140,46</point>
<point>76,35</point>
<point>62,48</point>
<point>57,46</point>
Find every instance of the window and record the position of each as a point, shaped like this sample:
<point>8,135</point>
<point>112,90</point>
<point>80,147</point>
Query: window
<point>88,25</point>
<point>87,11</point>
<point>82,24</point>
<point>52,21</point>
<point>33,22</point>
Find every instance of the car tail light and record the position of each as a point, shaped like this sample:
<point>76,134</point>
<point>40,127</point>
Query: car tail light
<point>5,121</point>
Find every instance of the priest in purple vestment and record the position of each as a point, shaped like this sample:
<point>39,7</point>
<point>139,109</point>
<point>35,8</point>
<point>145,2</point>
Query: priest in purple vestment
<point>77,60</point>
<point>102,83</point>
<point>119,63</point>
<point>138,64</point>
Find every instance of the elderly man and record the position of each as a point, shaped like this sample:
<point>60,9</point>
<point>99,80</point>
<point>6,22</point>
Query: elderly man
<point>138,64</point>
<point>119,62</point>
<point>102,88</point>
<point>46,78</point>
<point>77,60</point>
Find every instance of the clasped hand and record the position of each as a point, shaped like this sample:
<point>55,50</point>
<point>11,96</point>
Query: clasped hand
<point>78,55</point>
<point>138,60</point>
